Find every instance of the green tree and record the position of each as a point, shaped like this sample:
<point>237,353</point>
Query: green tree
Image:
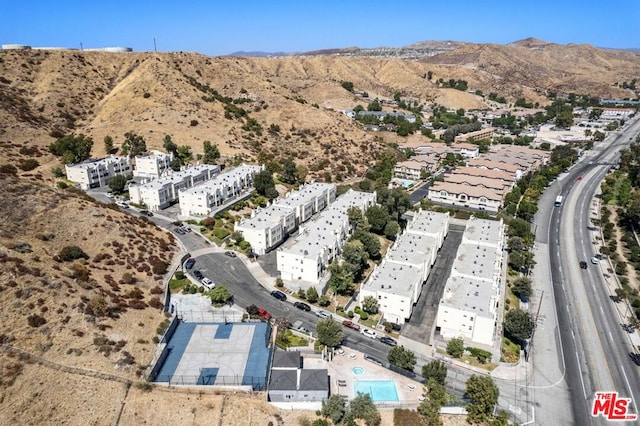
<point>341,280</point>
<point>519,228</point>
<point>211,153</point>
<point>312,295</point>
<point>377,216</point>
<point>169,145</point>
<point>391,229</point>
<point>184,154</point>
<point>133,144</point>
<point>455,347</point>
<point>401,357</point>
<point>483,393</point>
<point>219,294</point>
<point>515,244</point>
<point>374,105</point>
<point>347,85</point>
<point>118,183</point>
<point>565,117</point>
<point>370,305</point>
<point>333,408</point>
<point>108,144</point>
<point>362,407</point>
<point>357,220</point>
<point>264,184</point>
<point>522,287</point>
<point>429,409</point>
<point>355,255</point>
<point>72,148</point>
<point>370,242</point>
<point>176,164</point>
<point>518,324</point>
<point>290,172</point>
<point>329,332</point>
<point>435,370</point>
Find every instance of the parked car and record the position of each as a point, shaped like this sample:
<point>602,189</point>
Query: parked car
<point>207,283</point>
<point>323,314</point>
<point>373,360</point>
<point>189,263</point>
<point>351,325</point>
<point>615,299</point>
<point>230,253</point>
<point>635,357</point>
<point>176,223</point>
<point>109,194</point>
<point>179,231</point>
<point>583,264</point>
<point>595,260</point>
<point>122,205</point>
<point>369,333</point>
<point>262,313</point>
<point>628,328</point>
<point>279,295</point>
<point>146,213</point>
<point>302,306</point>
<point>388,341</point>
<point>198,274</point>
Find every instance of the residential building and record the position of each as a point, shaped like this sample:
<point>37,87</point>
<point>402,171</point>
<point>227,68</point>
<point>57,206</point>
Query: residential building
<point>409,169</point>
<point>160,193</point>
<point>98,172</point>
<point>472,294</point>
<point>267,227</point>
<point>397,282</point>
<point>484,163</point>
<point>471,196</point>
<point>153,165</point>
<point>289,381</point>
<point>467,150</point>
<point>202,200</point>
<point>613,114</point>
<point>486,182</point>
<point>486,133</point>
<point>506,177</point>
<point>304,261</point>
<point>308,200</point>
<point>381,115</point>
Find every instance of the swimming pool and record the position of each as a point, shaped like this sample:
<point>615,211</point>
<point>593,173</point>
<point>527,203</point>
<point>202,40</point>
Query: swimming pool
<point>380,390</point>
<point>357,370</point>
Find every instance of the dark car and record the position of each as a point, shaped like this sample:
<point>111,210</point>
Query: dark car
<point>198,274</point>
<point>583,264</point>
<point>373,360</point>
<point>388,341</point>
<point>351,325</point>
<point>146,213</point>
<point>635,357</point>
<point>230,253</point>
<point>302,306</point>
<point>177,223</point>
<point>615,299</point>
<point>279,295</point>
<point>189,263</point>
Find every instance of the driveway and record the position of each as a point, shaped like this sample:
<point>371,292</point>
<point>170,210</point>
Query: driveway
<point>420,193</point>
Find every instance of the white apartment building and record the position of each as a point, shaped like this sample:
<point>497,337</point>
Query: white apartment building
<point>153,165</point>
<point>202,199</point>
<point>304,260</point>
<point>98,172</point>
<point>308,200</point>
<point>468,195</point>
<point>472,294</point>
<point>164,191</point>
<point>397,282</point>
<point>267,227</point>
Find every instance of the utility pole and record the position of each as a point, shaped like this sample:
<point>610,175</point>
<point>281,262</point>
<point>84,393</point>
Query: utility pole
<point>80,45</point>
<point>155,49</point>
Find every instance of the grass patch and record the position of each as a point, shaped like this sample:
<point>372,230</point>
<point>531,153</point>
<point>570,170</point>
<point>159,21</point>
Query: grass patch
<point>510,351</point>
<point>472,360</point>
<point>176,285</point>
<point>289,339</point>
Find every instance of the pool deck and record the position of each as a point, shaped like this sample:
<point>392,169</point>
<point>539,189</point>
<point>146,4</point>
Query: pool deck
<point>340,368</point>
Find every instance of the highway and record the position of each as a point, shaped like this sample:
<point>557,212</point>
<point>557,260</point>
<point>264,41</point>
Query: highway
<point>595,347</point>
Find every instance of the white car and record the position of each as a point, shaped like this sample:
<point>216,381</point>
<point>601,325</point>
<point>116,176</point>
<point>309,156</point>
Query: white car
<point>323,314</point>
<point>369,333</point>
<point>595,260</point>
<point>207,283</point>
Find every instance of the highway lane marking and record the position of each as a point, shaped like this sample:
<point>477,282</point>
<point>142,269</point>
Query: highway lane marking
<point>594,289</point>
<point>573,334</point>
<point>610,337</point>
<point>584,390</point>
<point>633,398</point>
<point>601,310</point>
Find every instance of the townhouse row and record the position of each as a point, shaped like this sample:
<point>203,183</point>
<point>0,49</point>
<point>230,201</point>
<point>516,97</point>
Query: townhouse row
<point>472,294</point>
<point>397,282</point>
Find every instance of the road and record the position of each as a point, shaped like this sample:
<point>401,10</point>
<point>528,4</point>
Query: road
<point>595,348</point>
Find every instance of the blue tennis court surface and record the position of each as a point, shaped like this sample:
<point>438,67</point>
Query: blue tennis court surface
<point>231,354</point>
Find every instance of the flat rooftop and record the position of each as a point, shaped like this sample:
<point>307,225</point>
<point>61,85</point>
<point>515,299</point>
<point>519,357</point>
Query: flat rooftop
<point>267,217</point>
<point>353,199</point>
<point>470,294</point>
<point>306,193</point>
<point>483,231</point>
<point>476,261</point>
<point>413,249</point>
<point>317,234</point>
<point>393,278</point>
<point>428,222</point>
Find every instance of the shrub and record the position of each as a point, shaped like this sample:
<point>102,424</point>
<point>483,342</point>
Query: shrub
<point>36,320</point>
<point>252,310</point>
<point>128,278</point>
<point>193,123</point>
<point>324,301</point>
<point>220,233</point>
<point>155,303</point>
<point>280,283</point>
<point>159,266</point>
<point>350,314</point>
<point>301,294</point>
<point>62,185</point>
<point>209,222</point>
<point>480,354</point>
<point>364,316</point>
<point>179,275</point>
<point>8,169</point>
<point>28,164</point>
<point>69,253</point>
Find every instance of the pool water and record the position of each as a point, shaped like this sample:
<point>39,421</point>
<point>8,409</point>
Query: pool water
<point>357,370</point>
<point>380,390</point>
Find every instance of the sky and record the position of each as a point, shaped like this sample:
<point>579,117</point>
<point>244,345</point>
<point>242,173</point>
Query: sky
<point>218,27</point>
